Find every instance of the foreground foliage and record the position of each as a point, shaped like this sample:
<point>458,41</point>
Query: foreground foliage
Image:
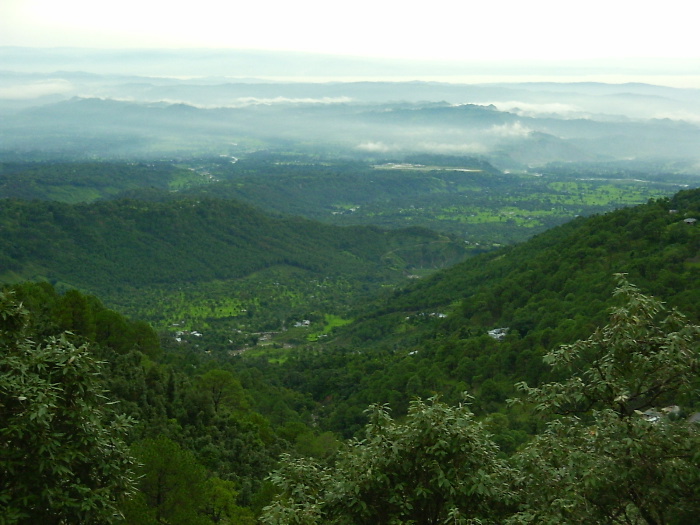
<point>63,458</point>
<point>191,420</point>
<point>437,465</point>
<point>611,450</point>
<point>175,488</point>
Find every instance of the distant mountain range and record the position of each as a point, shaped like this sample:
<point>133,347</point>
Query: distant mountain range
<point>83,103</point>
<point>343,117</point>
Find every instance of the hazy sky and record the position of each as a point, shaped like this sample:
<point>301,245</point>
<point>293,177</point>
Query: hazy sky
<point>436,29</point>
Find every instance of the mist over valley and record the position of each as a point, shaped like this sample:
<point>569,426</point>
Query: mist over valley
<point>516,124</point>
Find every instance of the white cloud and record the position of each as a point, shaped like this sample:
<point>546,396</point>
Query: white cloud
<point>253,101</point>
<point>376,147</point>
<point>457,148</point>
<point>533,109</point>
<point>448,148</point>
<point>510,130</point>
<point>240,102</point>
<point>35,90</point>
<point>693,118</point>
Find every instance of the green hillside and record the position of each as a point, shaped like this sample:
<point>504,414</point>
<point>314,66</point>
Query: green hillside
<point>433,336</point>
<point>214,258</point>
<point>75,182</point>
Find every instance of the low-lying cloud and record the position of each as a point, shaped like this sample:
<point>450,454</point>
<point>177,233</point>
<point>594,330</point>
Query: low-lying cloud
<point>510,130</point>
<point>250,101</point>
<point>35,89</point>
<point>447,148</point>
<point>244,102</point>
<point>376,147</point>
<point>535,109</point>
<point>685,116</point>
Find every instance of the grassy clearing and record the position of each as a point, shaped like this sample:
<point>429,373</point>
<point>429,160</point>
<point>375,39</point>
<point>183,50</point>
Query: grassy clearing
<point>330,322</point>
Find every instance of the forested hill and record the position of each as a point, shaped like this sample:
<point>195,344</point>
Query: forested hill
<point>656,244</point>
<point>433,336</point>
<point>125,244</point>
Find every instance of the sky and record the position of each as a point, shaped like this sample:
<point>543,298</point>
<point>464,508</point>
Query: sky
<point>435,30</point>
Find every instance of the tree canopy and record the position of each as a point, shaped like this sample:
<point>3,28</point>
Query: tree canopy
<point>614,449</point>
<point>437,465</point>
<point>63,457</point>
<point>614,446</point>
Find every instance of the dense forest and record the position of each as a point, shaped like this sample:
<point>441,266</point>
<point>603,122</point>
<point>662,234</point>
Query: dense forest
<point>548,381</point>
<point>204,262</point>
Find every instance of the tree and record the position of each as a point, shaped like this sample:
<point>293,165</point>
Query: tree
<point>221,504</point>
<point>175,489</point>
<point>223,388</point>
<point>171,485</point>
<point>609,454</point>
<point>63,458</point>
<point>74,314</point>
<point>437,465</point>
